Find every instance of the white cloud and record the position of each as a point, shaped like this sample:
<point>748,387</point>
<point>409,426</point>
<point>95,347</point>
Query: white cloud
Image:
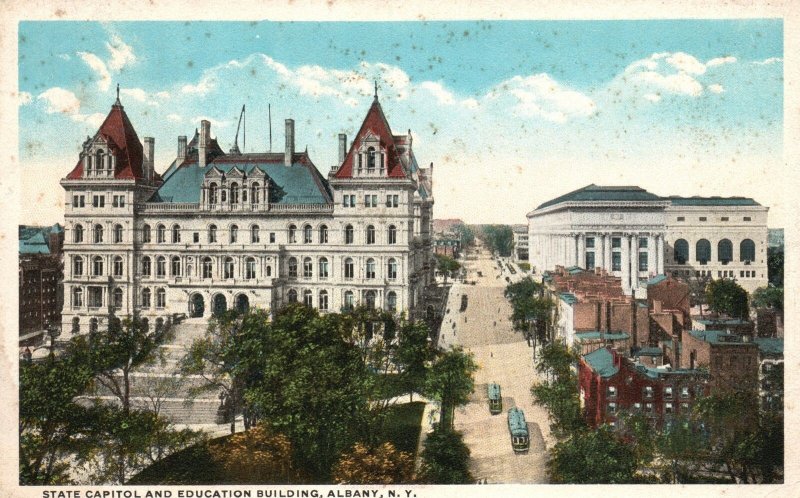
<point>215,123</point>
<point>769,60</point>
<point>24,98</point>
<point>175,118</point>
<point>470,103</point>
<point>716,88</point>
<point>443,96</point>
<point>680,83</point>
<point>61,101</point>
<point>163,95</point>
<point>542,96</point>
<point>652,97</point>
<point>66,57</point>
<point>99,67</point>
<point>686,63</point>
<point>718,61</point>
<point>95,119</point>
<point>136,93</point>
<point>205,85</point>
<point>121,53</point>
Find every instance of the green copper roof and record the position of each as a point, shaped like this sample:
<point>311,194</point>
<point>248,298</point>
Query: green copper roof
<point>35,240</point>
<point>711,201</point>
<point>494,391</point>
<point>568,297</point>
<point>602,362</point>
<point>657,279</point>
<point>771,346</point>
<point>594,335</point>
<point>599,193</point>
<point>648,351</point>
<point>300,183</point>
<point>516,422</point>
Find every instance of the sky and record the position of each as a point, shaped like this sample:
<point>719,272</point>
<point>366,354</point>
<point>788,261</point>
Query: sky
<point>511,113</point>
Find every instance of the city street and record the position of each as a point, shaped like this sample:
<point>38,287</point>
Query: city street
<point>504,357</point>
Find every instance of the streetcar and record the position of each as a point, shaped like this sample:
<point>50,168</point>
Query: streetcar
<point>463,302</point>
<point>495,399</point>
<point>520,440</point>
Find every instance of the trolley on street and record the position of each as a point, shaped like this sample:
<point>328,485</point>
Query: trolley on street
<point>495,399</point>
<point>518,428</point>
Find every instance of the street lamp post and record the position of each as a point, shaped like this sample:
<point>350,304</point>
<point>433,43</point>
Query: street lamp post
<point>53,332</point>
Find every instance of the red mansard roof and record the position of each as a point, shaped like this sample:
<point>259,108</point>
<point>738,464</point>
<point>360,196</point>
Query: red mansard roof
<point>124,144</point>
<point>374,123</point>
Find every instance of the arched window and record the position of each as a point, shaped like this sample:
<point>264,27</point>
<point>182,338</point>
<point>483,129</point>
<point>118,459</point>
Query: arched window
<point>250,268</point>
<point>118,266</point>
<point>227,268</point>
<point>392,269</point>
<point>292,234</point>
<point>146,234</point>
<point>77,266</point>
<point>254,193</point>
<point>244,201</point>
<point>234,193</point>
<point>212,234</point>
<point>223,195</point>
<point>370,234</point>
<point>117,234</point>
<point>307,234</point>
<point>323,234</point>
<point>392,234</point>
<point>391,301</point>
<point>724,251</point>
<point>323,267</point>
<point>323,300</point>
<point>703,251</point>
<point>349,269</point>
<point>370,158</point>
<point>269,270</point>
<point>146,303</point>
<point>97,265</point>
<point>212,193</point>
<point>161,299</point>
<point>308,268</point>
<point>254,235</point>
<point>369,297</point>
<point>292,267</point>
<point>292,296</point>
<point>348,300</point>
<point>146,266</point>
<point>176,266</point>
<point>77,297</point>
<point>117,298</point>
<point>77,235</point>
<point>234,234</point>
<point>98,234</point>
<point>161,234</point>
<point>176,234</point>
<point>348,234</point>
<point>681,251</point>
<point>370,273</point>
<point>308,298</point>
<point>747,250</point>
<point>208,267</point>
<point>161,267</point>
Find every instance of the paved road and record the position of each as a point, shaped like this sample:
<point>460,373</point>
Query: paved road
<point>503,357</point>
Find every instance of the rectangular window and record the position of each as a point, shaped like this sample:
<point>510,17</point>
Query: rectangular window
<point>685,407</point>
<point>668,392</point>
<point>637,406</point>
<point>616,261</point>
<point>196,237</point>
<point>741,273</point>
<point>684,392</point>
<point>395,200</point>
<point>611,392</point>
<point>589,242</point>
<point>99,201</point>
<point>668,408</point>
<point>724,218</point>
<point>703,218</point>
<point>648,392</point>
<point>747,218</point>
<point>681,218</point>
<point>643,263</point>
<point>612,408</point>
<point>642,242</point>
<point>78,201</point>
<point>648,407</point>
<point>95,297</point>
<point>590,260</point>
<point>616,242</point>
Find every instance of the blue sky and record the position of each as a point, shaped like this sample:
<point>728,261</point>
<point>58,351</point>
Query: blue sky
<point>517,110</point>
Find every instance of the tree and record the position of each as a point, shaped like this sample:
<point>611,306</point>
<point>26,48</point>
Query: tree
<point>450,381</point>
<point>383,464</point>
<point>727,297</point>
<point>775,266</point>
<point>215,358</point>
<point>768,297</point>
<point>592,457</point>
<point>697,291</point>
<point>412,356</point>
<point>529,305</point>
<point>445,458</point>
<point>465,234</point>
<point>257,456</point>
<point>51,425</point>
<point>559,392</point>
<point>499,238</point>
<point>446,265</point>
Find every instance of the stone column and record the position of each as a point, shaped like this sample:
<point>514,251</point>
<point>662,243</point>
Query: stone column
<point>635,261</point>
<point>607,252</point>
<point>581,256</point>
<point>651,255</point>
<point>660,253</point>
<point>625,254</point>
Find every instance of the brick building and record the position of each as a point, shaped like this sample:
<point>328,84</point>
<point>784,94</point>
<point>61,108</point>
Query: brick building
<point>40,278</point>
<point>611,385</point>
<point>731,359</point>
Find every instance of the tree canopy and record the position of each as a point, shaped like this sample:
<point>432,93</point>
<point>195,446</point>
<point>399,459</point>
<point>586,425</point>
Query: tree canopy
<point>445,458</point>
<point>499,238</point>
<point>383,464</point>
<point>768,297</point>
<point>726,296</point>
<point>450,381</point>
<point>592,457</point>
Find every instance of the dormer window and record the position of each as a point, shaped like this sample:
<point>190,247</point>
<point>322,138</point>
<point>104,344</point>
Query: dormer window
<point>371,159</point>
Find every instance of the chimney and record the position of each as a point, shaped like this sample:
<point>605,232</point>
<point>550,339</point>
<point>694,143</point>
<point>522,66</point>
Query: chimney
<point>288,155</point>
<point>149,151</point>
<point>202,146</point>
<point>342,147</point>
<point>656,306</point>
<point>181,150</point>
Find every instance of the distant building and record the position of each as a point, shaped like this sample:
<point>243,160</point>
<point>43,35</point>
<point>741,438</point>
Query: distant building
<point>520,242</point>
<point>636,235</point>
<point>770,372</point>
<point>611,385</point>
<point>40,278</point>
<point>446,238</point>
<point>732,360</point>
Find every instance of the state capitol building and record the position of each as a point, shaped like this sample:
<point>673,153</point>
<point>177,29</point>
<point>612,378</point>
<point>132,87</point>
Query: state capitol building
<point>221,230</point>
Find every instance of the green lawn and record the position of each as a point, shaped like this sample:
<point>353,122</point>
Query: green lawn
<point>195,465</point>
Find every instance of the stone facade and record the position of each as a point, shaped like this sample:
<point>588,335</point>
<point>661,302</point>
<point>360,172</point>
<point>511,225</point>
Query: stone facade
<point>218,231</point>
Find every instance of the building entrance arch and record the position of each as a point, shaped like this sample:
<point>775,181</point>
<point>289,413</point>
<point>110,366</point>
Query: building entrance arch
<point>197,306</point>
<point>220,304</point>
<point>242,303</point>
